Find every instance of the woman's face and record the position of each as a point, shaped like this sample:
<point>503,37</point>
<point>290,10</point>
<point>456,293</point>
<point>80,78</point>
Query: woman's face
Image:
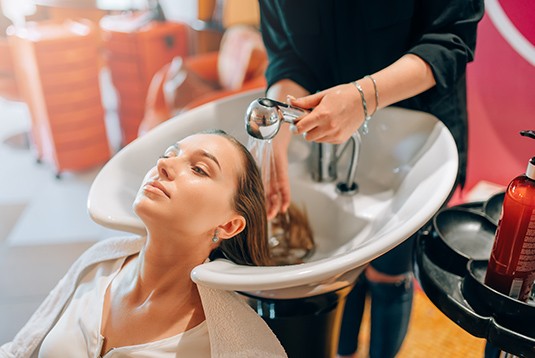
<point>191,189</point>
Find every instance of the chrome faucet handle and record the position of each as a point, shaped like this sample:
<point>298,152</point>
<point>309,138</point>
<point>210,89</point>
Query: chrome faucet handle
<point>264,116</point>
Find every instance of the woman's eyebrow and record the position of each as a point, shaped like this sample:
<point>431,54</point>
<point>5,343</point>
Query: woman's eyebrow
<point>203,153</point>
<point>210,156</point>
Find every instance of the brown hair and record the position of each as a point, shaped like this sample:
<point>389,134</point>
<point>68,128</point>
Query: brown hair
<point>249,247</point>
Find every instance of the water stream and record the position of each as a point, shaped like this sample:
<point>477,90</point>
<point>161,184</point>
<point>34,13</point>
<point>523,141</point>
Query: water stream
<point>263,154</point>
<point>289,234</point>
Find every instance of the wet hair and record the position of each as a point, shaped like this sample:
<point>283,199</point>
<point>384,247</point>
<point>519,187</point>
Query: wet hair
<point>250,246</point>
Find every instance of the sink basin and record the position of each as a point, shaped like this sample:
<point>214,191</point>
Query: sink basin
<point>407,168</point>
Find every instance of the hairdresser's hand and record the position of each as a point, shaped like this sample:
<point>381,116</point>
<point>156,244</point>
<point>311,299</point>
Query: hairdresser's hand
<point>337,114</point>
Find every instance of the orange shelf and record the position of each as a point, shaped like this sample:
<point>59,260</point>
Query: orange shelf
<point>133,56</point>
<point>57,69</point>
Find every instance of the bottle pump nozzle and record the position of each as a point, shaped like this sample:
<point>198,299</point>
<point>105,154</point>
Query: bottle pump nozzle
<point>530,171</point>
<point>530,134</point>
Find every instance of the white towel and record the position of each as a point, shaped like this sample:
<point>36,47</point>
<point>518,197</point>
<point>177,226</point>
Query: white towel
<point>234,331</point>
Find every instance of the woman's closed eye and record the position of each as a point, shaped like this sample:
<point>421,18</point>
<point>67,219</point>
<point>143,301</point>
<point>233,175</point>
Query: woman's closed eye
<point>200,170</point>
<point>202,162</point>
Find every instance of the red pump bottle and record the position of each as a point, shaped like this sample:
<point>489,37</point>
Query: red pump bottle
<point>511,268</point>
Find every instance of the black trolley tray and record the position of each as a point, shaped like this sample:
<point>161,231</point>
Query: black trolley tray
<point>451,280</point>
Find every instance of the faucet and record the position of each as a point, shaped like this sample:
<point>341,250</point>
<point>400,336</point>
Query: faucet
<point>263,119</point>
<point>324,160</point>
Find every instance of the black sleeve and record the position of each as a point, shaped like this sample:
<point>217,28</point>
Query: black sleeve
<point>284,63</point>
<point>448,38</point>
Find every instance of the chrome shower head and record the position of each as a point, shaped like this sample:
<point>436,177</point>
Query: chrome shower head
<point>264,116</point>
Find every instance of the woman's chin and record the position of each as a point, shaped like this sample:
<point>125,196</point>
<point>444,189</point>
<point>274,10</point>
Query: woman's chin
<point>144,210</point>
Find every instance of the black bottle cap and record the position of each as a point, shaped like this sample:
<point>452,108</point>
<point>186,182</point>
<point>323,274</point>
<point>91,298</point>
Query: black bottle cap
<point>530,171</point>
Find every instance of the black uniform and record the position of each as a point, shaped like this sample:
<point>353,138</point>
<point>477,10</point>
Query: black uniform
<point>321,44</point>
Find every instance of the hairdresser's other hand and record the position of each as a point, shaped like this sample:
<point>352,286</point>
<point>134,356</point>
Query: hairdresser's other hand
<point>337,114</point>
<point>278,189</point>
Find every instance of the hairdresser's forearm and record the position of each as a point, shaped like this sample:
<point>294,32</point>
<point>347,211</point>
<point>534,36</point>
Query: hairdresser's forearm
<point>281,89</point>
<point>405,78</point>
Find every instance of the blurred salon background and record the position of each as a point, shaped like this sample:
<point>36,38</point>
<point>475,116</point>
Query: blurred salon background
<point>80,79</point>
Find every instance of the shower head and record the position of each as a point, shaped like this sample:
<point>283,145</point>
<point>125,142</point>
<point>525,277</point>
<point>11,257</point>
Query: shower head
<point>264,116</point>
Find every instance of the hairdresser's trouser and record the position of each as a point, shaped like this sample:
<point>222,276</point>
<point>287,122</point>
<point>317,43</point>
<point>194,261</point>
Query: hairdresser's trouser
<point>491,351</point>
<point>391,305</point>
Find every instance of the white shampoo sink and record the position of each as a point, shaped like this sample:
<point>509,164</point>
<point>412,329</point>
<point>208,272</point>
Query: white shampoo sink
<point>407,168</point>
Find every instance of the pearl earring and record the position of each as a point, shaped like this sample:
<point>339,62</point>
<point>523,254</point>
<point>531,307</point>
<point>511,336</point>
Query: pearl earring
<point>215,238</point>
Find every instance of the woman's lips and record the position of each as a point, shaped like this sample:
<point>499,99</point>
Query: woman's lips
<point>159,186</point>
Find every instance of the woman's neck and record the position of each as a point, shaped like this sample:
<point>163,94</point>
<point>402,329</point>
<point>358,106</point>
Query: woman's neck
<point>153,290</point>
<point>164,267</point>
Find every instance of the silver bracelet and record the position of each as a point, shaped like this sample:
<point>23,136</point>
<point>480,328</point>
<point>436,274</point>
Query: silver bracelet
<point>376,93</point>
<point>367,117</point>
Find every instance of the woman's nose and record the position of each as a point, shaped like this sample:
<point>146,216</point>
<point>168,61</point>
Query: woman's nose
<point>165,169</point>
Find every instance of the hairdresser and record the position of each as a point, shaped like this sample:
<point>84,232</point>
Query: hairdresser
<point>347,59</point>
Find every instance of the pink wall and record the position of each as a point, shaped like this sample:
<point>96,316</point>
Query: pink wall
<point>501,93</point>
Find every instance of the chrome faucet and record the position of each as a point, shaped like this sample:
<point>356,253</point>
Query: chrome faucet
<point>324,160</point>
<point>263,119</point>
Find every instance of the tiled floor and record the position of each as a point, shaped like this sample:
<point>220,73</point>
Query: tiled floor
<point>44,226</point>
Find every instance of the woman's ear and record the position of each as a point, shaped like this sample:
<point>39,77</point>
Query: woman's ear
<point>232,227</point>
